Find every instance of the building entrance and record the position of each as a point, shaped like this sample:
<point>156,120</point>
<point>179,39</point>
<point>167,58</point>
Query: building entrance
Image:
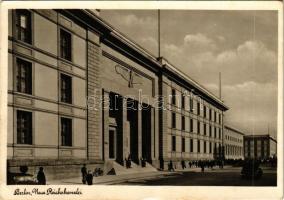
<point>146,133</point>
<point>132,118</point>
<point>116,112</point>
<point>111,144</point>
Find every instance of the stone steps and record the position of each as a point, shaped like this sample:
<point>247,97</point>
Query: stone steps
<point>120,170</point>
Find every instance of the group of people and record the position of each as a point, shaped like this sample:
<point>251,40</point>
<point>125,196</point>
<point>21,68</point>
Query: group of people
<point>200,163</point>
<point>128,161</point>
<point>87,175</point>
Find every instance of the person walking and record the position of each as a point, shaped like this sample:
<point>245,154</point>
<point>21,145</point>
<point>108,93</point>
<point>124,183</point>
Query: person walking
<point>84,173</point>
<point>41,177</point>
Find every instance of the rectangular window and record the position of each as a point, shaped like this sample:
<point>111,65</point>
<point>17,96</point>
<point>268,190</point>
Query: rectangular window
<point>210,147</point>
<point>173,143</point>
<point>191,125</point>
<point>198,146</point>
<point>210,131</point>
<point>24,76</point>
<point>182,123</point>
<point>219,133</point>
<point>183,144</point>
<point>215,135</point>
<point>204,147</point>
<point>204,111</point>
<point>210,114</point>
<point>65,45</point>
<point>219,118</point>
<point>191,145</point>
<point>24,127</point>
<point>215,116</point>
<point>23,26</point>
<point>66,88</point>
<point>182,101</point>
<point>198,108</point>
<point>173,96</point>
<point>204,129</point>
<point>66,131</point>
<point>173,120</point>
<point>198,127</point>
<point>191,104</point>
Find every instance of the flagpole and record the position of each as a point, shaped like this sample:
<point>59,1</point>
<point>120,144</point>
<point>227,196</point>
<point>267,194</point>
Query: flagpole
<point>159,41</point>
<point>220,87</point>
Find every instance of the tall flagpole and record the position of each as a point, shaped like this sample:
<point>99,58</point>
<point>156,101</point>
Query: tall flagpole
<point>159,41</point>
<point>220,87</point>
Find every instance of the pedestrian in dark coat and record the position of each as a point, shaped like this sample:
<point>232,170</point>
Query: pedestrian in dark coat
<point>41,177</point>
<point>84,173</point>
<point>171,166</point>
<point>183,164</point>
<point>89,178</point>
<point>202,166</point>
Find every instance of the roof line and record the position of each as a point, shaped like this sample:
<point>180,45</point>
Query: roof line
<point>194,83</point>
<point>265,135</point>
<point>120,35</point>
<point>233,129</point>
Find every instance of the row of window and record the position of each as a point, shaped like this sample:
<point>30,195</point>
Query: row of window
<point>227,137</point>
<point>191,146</point>
<point>24,33</point>
<point>24,81</point>
<point>173,97</point>
<point>25,129</point>
<point>198,126</point>
<point>233,150</point>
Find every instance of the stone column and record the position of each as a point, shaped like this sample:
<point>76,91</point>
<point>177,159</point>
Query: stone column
<point>139,121</point>
<point>106,124</point>
<point>125,134</point>
<point>153,141</point>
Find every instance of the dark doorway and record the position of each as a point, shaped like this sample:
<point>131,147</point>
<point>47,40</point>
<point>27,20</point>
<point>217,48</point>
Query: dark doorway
<point>146,133</point>
<point>111,144</point>
<point>132,118</point>
<point>115,111</point>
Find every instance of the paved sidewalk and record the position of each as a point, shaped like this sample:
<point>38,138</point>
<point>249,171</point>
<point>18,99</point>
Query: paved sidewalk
<point>115,179</point>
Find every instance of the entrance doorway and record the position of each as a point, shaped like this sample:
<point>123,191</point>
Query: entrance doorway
<point>116,112</point>
<point>111,144</point>
<point>146,133</point>
<point>132,118</point>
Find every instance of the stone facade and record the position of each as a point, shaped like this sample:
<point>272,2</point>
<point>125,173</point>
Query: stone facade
<point>234,143</point>
<point>106,74</point>
<point>192,123</point>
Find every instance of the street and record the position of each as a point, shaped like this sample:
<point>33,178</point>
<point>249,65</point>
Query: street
<point>216,177</point>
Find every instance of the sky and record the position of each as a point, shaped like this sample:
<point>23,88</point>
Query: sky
<point>242,45</point>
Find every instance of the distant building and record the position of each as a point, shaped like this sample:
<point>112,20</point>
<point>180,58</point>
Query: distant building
<point>259,146</point>
<point>233,142</point>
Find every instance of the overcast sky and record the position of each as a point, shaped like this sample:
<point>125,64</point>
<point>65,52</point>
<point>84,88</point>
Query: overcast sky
<point>242,45</point>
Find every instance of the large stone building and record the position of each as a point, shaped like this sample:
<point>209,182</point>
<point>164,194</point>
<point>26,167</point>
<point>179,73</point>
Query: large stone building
<point>259,146</point>
<point>234,143</point>
<point>79,92</point>
<point>192,119</point>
